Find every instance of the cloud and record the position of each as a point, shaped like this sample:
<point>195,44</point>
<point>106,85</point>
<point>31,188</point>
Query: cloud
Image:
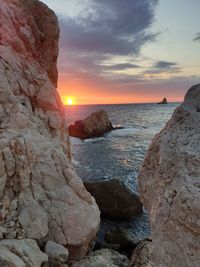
<point>163,67</point>
<point>122,66</point>
<point>104,30</point>
<point>113,27</point>
<point>197,37</point>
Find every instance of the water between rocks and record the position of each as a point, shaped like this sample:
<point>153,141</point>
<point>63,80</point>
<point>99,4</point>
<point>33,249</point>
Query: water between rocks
<point>119,154</point>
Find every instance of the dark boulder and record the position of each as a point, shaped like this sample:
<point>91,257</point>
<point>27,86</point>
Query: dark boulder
<point>115,199</point>
<point>95,125</point>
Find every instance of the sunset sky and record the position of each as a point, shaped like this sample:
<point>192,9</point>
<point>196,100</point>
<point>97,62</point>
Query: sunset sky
<point>116,51</point>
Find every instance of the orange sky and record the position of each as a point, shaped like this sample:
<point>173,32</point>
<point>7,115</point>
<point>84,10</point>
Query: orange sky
<point>82,93</point>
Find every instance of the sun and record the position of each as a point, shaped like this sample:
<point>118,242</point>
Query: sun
<point>69,101</point>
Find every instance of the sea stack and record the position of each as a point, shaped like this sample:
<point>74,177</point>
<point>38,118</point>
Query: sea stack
<point>41,197</point>
<point>169,186</point>
<point>95,125</point>
<point>163,102</point>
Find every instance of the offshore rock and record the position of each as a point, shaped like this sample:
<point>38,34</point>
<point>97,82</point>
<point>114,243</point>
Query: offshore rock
<point>115,199</point>
<point>169,185</point>
<point>163,102</point>
<point>41,196</point>
<point>94,125</point>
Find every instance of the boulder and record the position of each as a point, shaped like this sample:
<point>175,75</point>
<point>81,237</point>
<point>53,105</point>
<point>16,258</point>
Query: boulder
<point>115,199</point>
<point>56,252</point>
<point>169,182</point>
<point>21,253</point>
<point>103,258</point>
<point>94,125</point>
<point>141,255</point>
<point>122,237</point>
<point>41,197</point>
<point>164,101</point>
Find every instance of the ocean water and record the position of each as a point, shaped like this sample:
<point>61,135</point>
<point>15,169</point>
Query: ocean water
<point>120,153</point>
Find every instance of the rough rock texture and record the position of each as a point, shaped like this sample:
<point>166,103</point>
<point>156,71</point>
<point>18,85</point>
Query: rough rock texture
<point>169,184</point>
<point>21,253</point>
<point>94,125</point>
<point>141,255</point>
<point>41,197</point>
<point>114,198</point>
<point>122,237</point>
<point>56,252</point>
<point>103,258</point>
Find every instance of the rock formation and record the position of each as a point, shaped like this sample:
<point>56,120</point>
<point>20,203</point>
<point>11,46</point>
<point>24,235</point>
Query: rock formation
<point>169,185</point>
<point>94,125</point>
<point>115,199</point>
<point>103,258</point>
<point>41,197</point>
<point>141,255</point>
<point>163,102</point>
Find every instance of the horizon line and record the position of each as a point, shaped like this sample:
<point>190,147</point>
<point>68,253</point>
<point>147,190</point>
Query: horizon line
<point>132,103</point>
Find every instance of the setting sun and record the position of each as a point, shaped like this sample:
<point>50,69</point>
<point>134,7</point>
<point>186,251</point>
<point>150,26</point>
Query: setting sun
<point>68,100</point>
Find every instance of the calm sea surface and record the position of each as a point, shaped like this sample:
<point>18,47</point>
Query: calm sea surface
<point>119,154</point>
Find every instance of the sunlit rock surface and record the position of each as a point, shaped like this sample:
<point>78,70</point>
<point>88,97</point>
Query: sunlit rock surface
<point>41,197</point>
<point>169,185</point>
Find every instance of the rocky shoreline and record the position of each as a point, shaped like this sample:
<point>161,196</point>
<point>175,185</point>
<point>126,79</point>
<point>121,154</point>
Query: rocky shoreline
<point>47,217</point>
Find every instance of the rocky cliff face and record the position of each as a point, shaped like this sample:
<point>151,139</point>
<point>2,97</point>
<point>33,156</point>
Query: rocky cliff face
<point>169,186</point>
<point>41,197</point>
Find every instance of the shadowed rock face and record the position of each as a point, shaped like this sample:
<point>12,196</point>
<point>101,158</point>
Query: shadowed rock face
<point>41,196</point>
<point>169,185</point>
<point>115,199</point>
<point>94,125</point>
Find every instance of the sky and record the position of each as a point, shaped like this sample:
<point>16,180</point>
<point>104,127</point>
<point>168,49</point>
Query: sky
<point>127,51</point>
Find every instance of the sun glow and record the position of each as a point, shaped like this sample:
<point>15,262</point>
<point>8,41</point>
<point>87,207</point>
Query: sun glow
<point>68,100</point>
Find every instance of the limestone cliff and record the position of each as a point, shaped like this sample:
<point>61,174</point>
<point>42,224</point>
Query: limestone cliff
<point>169,184</point>
<point>41,197</point>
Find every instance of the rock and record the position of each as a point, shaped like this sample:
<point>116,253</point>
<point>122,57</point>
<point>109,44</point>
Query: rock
<point>3,232</point>
<point>141,255</point>
<point>122,237</point>
<point>103,258</point>
<point>21,253</point>
<point>56,252</point>
<point>169,186</point>
<point>94,125</point>
<point>39,189</point>
<point>115,199</point>
<point>11,234</point>
<point>164,101</point>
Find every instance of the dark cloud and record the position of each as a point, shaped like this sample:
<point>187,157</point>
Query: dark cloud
<point>122,66</point>
<point>164,65</point>
<point>113,27</point>
<point>105,29</point>
<point>197,37</point>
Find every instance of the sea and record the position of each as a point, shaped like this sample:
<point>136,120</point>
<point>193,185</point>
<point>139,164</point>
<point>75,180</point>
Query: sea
<point>120,153</point>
